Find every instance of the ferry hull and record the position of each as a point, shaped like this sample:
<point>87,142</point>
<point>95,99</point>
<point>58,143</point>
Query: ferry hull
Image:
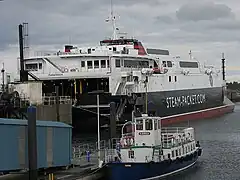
<point>146,171</point>
<point>196,115</point>
<point>172,106</point>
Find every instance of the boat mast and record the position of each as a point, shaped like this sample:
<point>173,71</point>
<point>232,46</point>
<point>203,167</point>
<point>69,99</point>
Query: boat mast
<point>146,94</point>
<point>113,20</point>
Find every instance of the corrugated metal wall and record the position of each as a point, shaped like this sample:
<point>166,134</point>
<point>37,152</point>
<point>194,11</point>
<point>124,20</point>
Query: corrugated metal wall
<point>53,146</point>
<point>9,144</point>
<point>22,146</point>
<point>61,135</point>
<point>41,146</point>
<point>49,147</point>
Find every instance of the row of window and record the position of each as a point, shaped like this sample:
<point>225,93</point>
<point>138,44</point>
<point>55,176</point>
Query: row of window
<point>95,64</point>
<point>188,64</point>
<point>131,63</point>
<point>148,125</point>
<point>187,149</point>
<point>33,66</point>
<point>118,63</point>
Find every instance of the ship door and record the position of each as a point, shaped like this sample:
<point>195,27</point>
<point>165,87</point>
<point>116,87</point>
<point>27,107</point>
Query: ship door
<point>157,132</point>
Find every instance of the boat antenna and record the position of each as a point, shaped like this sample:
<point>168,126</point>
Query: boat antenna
<point>190,54</point>
<point>146,94</point>
<point>113,21</point>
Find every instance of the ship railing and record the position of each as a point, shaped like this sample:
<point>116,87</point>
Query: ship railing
<point>85,154</point>
<point>127,139</point>
<point>110,155</point>
<point>50,100</point>
<point>173,130</point>
<point>52,53</point>
<point>170,140</point>
<point>58,53</point>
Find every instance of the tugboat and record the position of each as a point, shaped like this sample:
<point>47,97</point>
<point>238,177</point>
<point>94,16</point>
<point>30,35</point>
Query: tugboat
<point>148,151</point>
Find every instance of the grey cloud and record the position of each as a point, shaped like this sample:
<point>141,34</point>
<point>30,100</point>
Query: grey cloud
<point>164,19</point>
<point>228,25</point>
<point>55,22</point>
<point>204,11</point>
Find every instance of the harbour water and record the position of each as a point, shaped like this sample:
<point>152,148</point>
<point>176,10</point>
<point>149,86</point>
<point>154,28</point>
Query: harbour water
<point>220,140</point>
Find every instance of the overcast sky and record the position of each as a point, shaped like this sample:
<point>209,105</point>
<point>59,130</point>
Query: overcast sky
<point>206,27</point>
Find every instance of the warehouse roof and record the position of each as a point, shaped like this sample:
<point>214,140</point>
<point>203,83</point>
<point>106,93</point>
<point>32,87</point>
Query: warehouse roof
<point>7,121</point>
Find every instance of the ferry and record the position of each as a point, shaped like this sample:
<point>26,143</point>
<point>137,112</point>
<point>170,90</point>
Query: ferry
<point>150,151</point>
<point>178,89</point>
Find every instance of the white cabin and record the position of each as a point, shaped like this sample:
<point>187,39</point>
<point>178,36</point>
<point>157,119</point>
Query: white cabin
<point>145,141</point>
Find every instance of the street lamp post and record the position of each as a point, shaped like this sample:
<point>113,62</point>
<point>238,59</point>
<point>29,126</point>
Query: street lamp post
<point>98,126</point>
<point>98,123</point>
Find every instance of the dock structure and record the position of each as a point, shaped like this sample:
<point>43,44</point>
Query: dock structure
<point>84,164</point>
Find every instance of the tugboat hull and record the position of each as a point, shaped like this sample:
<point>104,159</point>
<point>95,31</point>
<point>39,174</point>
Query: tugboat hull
<point>147,171</point>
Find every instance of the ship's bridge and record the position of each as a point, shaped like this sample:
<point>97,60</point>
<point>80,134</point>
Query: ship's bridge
<point>143,131</point>
<point>123,43</point>
<point>116,46</point>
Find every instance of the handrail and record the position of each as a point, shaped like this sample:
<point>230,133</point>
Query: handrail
<point>124,125</point>
<point>54,65</point>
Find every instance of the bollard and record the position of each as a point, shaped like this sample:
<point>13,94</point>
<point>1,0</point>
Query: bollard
<point>88,155</point>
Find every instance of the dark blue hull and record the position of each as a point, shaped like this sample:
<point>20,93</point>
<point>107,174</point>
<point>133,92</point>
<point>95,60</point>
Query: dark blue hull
<point>161,104</point>
<point>137,171</point>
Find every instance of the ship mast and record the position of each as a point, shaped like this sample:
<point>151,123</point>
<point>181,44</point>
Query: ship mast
<point>113,19</point>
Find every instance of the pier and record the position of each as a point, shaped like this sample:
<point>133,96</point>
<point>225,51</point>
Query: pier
<point>84,163</point>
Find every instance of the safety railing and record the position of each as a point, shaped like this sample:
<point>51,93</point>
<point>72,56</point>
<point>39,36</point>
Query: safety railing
<point>173,138</point>
<point>173,129</point>
<point>50,100</point>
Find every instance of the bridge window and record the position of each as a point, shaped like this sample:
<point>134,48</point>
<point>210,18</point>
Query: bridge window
<point>169,63</point>
<point>172,153</point>
<point>159,125</point>
<point>176,152</point>
<point>139,124</point>
<point>118,63</point>
<point>164,64</point>
<point>155,124</point>
<point>179,152</point>
<point>148,124</point>
<point>40,65</point>
<point>103,63</point>
<point>96,64</point>
<point>89,64</point>
<point>31,67</point>
<point>82,63</point>
<point>136,64</point>
<point>188,64</point>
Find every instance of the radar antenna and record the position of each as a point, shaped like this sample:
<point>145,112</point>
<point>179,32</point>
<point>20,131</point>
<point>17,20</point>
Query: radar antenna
<point>113,21</point>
